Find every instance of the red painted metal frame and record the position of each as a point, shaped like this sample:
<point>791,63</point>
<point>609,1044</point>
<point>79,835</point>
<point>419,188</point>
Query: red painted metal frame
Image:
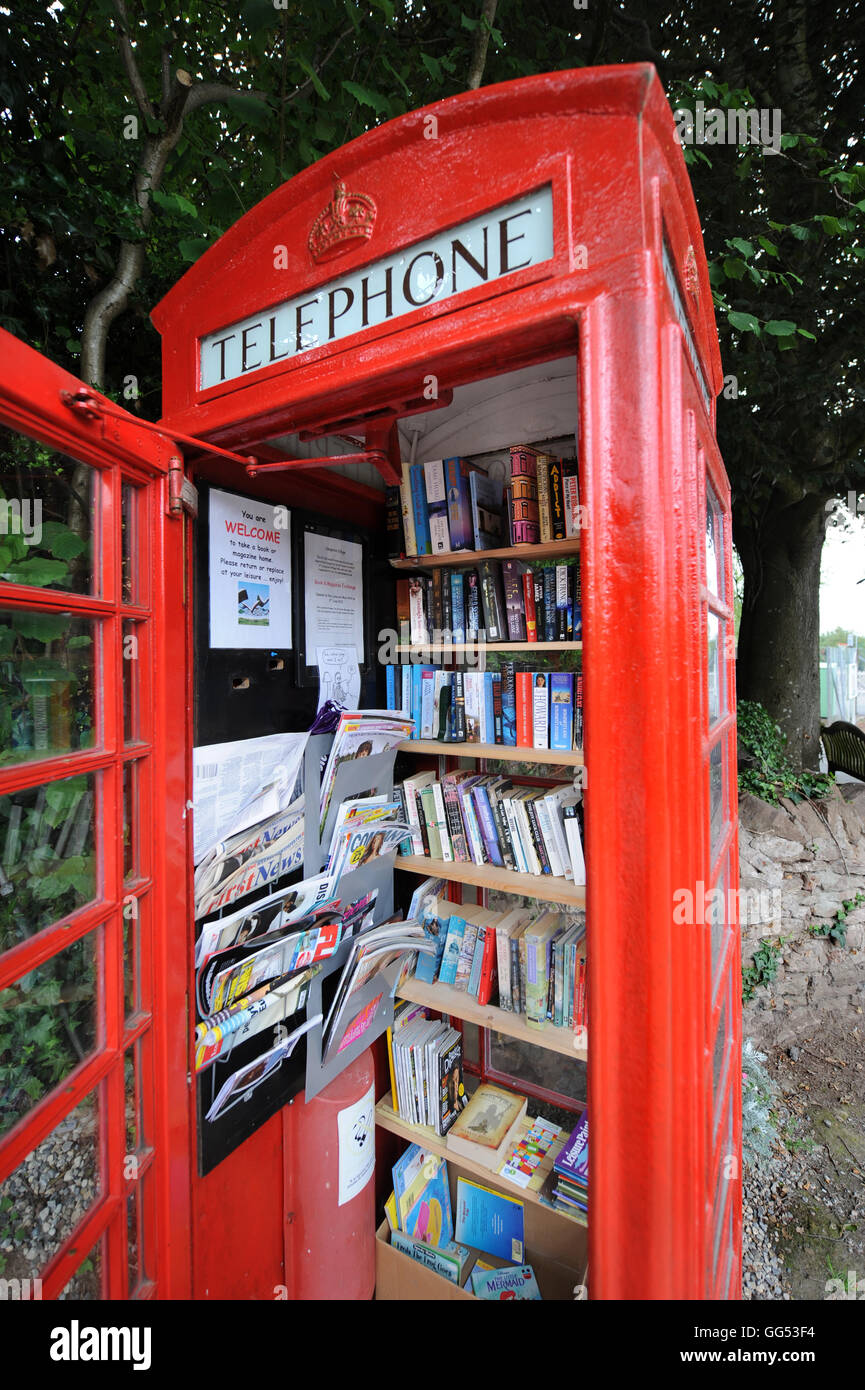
<point>604,139</point>
<point>120,452</point>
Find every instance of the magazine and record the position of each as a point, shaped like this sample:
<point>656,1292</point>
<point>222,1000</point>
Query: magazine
<point>370,955</point>
<point>266,1008</point>
<point>229,974</point>
<point>363,841</point>
<point>281,909</point>
<point>242,1082</point>
<point>360,734</point>
<point>263,855</point>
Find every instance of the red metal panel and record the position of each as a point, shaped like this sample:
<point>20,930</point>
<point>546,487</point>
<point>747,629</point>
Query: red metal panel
<point>238,1215</point>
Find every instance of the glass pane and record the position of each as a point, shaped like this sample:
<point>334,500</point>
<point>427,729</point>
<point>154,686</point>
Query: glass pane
<point>86,1282</point>
<point>524,1062</point>
<point>47,859</point>
<point>48,1024</point>
<point>714,543</point>
<point>133,1138</point>
<point>47,1196</point>
<point>46,684</point>
<point>716,916</point>
<point>129,671</point>
<point>132,1261</point>
<point>717,702</point>
<point>719,1052</point>
<point>46,516</point>
<point>130,820</point>
<point>716,795</point>
<point>131,909</point>
<point>131,541</point>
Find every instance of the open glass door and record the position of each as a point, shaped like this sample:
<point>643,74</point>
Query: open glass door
<point>92,835</point>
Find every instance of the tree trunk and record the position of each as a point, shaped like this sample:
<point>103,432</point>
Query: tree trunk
<point>779,634</point>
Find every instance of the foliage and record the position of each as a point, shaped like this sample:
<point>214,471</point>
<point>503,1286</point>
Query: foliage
<point>836,930</point>
<point>763,968</point>
<point>758,1100</point>
<point>767,771</point>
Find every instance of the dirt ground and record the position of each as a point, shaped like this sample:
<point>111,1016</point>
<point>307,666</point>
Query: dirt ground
<point>819,1208</point>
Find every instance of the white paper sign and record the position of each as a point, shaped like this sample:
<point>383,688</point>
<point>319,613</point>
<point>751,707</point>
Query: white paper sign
<point>333,580</point>
<point>250,573</point>
<point>355,1127</point>
<point>339,676</point>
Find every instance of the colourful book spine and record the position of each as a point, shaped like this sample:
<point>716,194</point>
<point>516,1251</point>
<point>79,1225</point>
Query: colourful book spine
<point>459,504</point>
<point>489,965</point>
<point>390,686</point>
<point>467,949</point>
<point>514,601</point>
<point>458,612</point>
<point>549,603</point>
<point>509,704</point>
<point>474,980</point>
<point>540,709</point>
<point>451,953</point>
<point>529,606</point>
<point>545,515</point>
<point>473,606</point>
<point>419,505</point>
<point>571,497</point>
<point>498,717</point>
<point>557,502</point>
<point>488,709</point>
<point>524,709</point>
<point>487,824</point>
<point>561,709</point>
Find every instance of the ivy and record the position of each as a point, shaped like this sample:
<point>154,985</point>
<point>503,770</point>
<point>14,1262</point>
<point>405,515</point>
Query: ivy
<point>763,968</point>
<point>764,768</point>
<point>836,930</point>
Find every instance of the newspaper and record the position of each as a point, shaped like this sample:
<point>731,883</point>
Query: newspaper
<point>253,859</point>
<point>360,734</point>
<point>239,784</point>
<point>242,1082</point>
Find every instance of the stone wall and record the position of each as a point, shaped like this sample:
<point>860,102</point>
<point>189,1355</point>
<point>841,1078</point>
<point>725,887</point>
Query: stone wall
<point>799,863</point>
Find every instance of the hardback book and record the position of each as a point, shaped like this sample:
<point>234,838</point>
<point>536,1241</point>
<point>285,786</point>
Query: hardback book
<point>458,503</point>
<point>393,523</point>
<point>512,581</point>
<point>487,1125</point>
<point>407,509</point>
<point>409,1178</point>
<point>492,602</point>
<point>509,703</point>
<point>557,503</point>
<point>571,497</point>
<point>540,709</point>
<point>419,509</point>
<point>489,1220</point>
<point>545,515</point>
<point>561,709</point>
<point>485,495</point>
<point>505,1284</point>
<point>472,591</point>
<point>458,611</point>
<point>523,496</point>
<point>430,1219</point>
<point>437,506</point>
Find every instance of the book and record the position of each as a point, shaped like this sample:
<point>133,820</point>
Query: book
<point>505,1284</point>
<point>485,496</point>
<point>571,497</point>
<point>393,523</point>
<point>451,1098</point>
<point>458,612</point>
<point>557,504</point>
<point>430,1218</point>
<point>540,709</point>
<point>544,513</point>
<point>467,947</point>
<point>525,705</point>
<point>407,510</point>
<point>523,496</point>
<point>529,609</point>
<point>458,503</point>
<point>492,601</point>
<point>451,953</point>
<point>489,1221</point>
<point>561,709</point>
<point>512,581</point>
<point>437,506</point>
<point>487,1125</point>
<point>419,509</point>
<point>474,627</point>
<point>452,1261</point>
<point>509,703</point>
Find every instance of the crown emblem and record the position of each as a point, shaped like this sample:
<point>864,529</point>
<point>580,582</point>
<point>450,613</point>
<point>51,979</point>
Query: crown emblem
<point>348,217</point>
<point>692,279</point>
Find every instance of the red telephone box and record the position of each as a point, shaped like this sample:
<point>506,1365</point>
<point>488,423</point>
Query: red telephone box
<point>507,250</point>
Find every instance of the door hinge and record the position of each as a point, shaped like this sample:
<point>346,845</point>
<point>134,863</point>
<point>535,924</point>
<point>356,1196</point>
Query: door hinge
<point>182,494</point>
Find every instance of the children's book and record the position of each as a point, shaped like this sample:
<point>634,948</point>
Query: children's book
<point>430,1218</point>
<point>505,1284</point>
<point>490,1221</point>
<point>452,1261</point>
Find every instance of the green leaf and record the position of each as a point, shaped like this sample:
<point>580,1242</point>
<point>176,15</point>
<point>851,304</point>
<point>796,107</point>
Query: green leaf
<point>768,245</point>
<point>432,65</point>
<point>39,571</point>
<point>63,543</point>
<point>174,202</point>
<point>745,248</point>
<point>789,142</point>
<point>745,323</point>
<point>379,103</point>
<point>191,248</point>
<point>780,328</point>
<point>734,268</point>
<point>386,8</point>
<point>314,77</point>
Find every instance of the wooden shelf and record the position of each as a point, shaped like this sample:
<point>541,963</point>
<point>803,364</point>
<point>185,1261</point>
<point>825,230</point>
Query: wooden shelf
<point>431,1142</point>
<point>545,550</point>
<point>568,758</point>
<point>452,648</point>
<point>446,1000</point>
<point>541,886</point>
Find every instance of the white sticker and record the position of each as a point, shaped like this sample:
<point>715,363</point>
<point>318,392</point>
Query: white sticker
<point>355,1127</point>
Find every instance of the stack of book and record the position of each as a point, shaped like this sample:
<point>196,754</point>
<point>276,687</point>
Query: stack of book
<point>543,497</point>
<point>516,707</point>
<point>479,819</point>
<point>426,1068</point>
<point>441,506</point>
<point>498,601</point>
<point>570,1187</point>
<point>523,961</point>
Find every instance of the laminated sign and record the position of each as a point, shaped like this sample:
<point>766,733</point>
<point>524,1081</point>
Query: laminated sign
<point>356,1132</point>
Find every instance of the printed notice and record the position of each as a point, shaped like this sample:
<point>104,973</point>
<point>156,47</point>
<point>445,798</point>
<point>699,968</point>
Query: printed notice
<point>339,677</point>
<point>333,570</point>
<point>250,573</point>
<point>355,1128</point>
